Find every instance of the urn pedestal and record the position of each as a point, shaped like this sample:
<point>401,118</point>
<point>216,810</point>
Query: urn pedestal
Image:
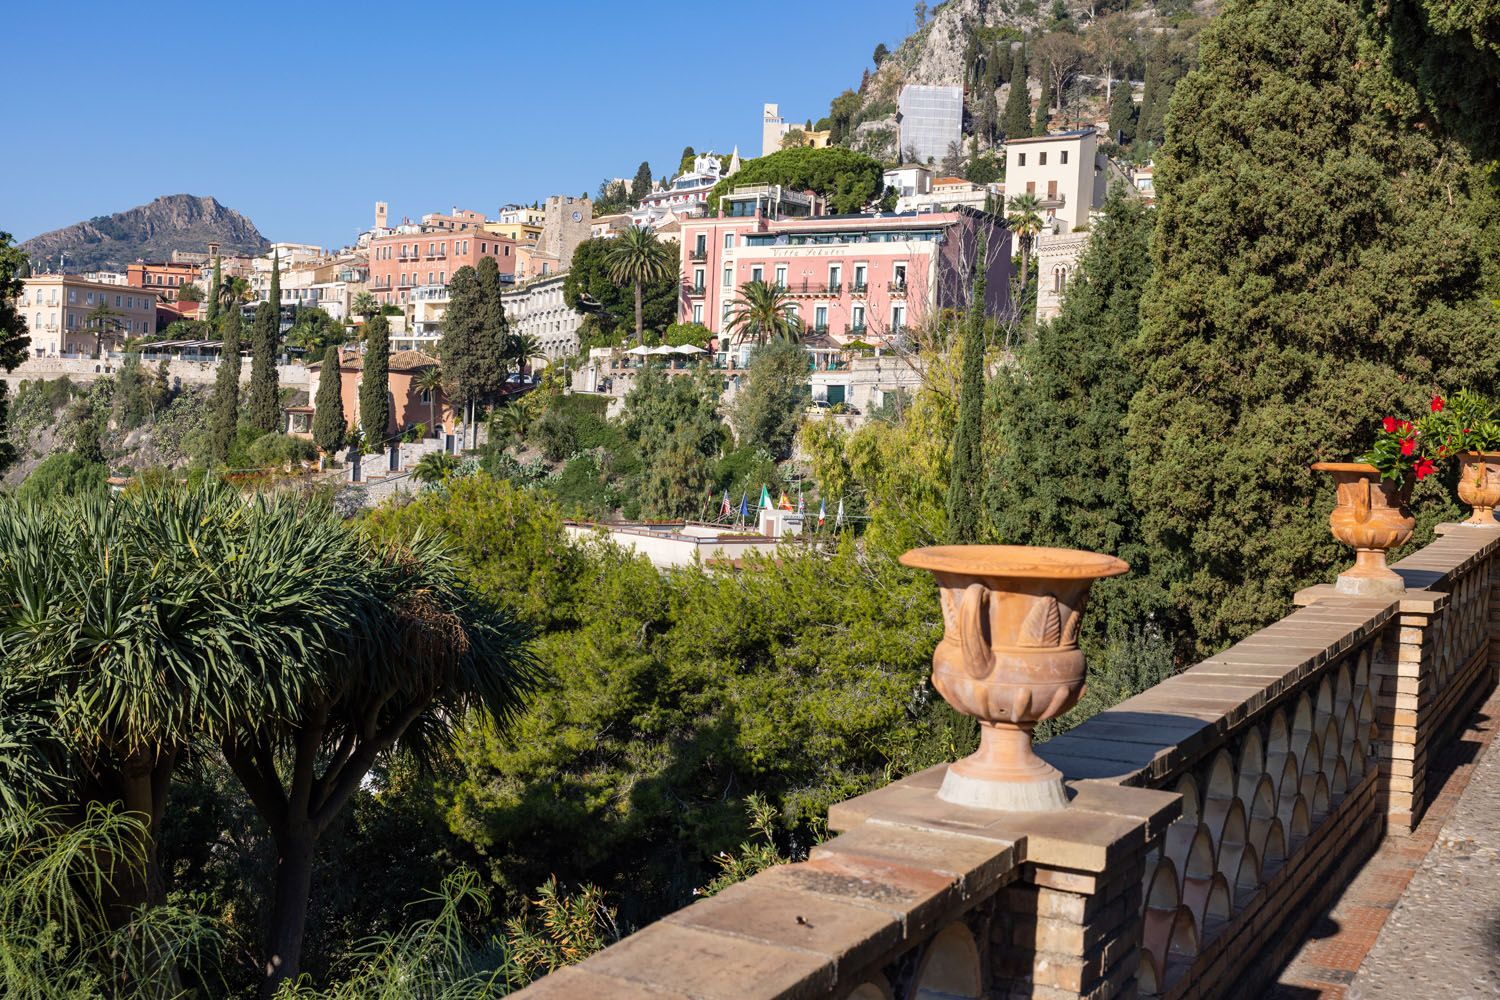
<point>1371,517</point>
<point>1009,657</point>
<point>1479,486</point>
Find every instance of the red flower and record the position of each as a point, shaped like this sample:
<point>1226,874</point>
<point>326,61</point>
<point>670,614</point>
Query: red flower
<point>1423,467</point>
<point>1404,426</point>
<point>1437,404</point>
<point>1408,445</point>
<point>1389,423</point>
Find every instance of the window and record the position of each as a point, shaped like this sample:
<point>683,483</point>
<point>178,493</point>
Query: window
<point>1041,159</point>
<point>702,244</point>
<point>835,275</point>
<point>899,276</point>
<point>1020,159</point>
<point>1052,189</point>
<point>728,241</point>
<point>698,312</point>
<point>728,277</point>
<point>791,312</point>
<point>860,271</point>
<point>426,396</point>
<point>1059,279</point>
<point>429,277</point>
<point>820,317</point>
<point>698,278</point>
<point>117,301</point>
<point>858,317</point>
<point>442,277</point>
<point>780,275</point>
<point>757,273</point>
<point>898,317</point>
<point>484,248</point>
<point>724,315</point>
<point>1031,187</point>
<point>1064,156</point>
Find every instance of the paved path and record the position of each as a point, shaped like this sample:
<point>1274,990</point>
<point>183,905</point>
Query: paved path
<point>1422,919</point>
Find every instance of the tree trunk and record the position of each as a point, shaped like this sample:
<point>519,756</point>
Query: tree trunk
<point>294,865</point>
<point>640,320</point>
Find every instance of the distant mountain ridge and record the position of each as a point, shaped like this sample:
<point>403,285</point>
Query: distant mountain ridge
<point>146,232</point>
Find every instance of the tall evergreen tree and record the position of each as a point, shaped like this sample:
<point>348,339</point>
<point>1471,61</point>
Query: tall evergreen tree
<point>330,426</point>
<point>640,186</point>
<point>215,289</point>
<point>264,413</point>
<point>1061,478</point>
<point>226,398</point>
<point>1044,105</point>
<point>463,323</point>
<point>1122,116</point>
<point>14,340</point>
<point>374,383</point>
<point>1315,267</point>
<point>966,473</point>
<point>1016,122</point>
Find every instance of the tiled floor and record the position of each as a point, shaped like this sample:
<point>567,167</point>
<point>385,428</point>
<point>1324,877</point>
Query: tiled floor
<point>1421,919</point>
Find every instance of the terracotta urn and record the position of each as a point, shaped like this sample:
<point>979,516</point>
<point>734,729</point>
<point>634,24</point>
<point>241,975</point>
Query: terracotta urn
<point>1009,657</point>
<point>1479,485</point>
<point>1371,516</point>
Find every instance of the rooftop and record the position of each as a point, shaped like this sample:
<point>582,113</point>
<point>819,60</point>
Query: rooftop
<point>1077,133</point>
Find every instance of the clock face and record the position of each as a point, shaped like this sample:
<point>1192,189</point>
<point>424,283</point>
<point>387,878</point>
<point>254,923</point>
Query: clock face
<point>577,216</point>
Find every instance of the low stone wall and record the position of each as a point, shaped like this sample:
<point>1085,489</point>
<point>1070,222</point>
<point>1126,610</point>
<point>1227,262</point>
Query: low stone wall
<point>1212,820</point>
<point>185,372</point>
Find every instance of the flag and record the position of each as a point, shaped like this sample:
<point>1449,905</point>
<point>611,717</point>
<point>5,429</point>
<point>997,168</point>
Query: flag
<point>839,518</point>
<point>726,508</point>
<point>765,497</point>
<point>744,506</point>
<point>822,512</point>
<point>786,502</point>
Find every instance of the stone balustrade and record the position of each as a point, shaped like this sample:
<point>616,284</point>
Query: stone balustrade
<point>1212,820</point>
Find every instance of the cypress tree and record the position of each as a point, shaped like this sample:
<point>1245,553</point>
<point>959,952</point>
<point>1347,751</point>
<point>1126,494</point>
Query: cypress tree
<point>462,325</point>
<point>374,383</point>
<point>215,289</point>
<point>265,397</point>
<point>226,398</point>
<point>966,472</point>
<point>1315,268</point>
<point>1044,105</point>
<point>1016,122</point>
<point>1062,477</point>
<point>1122,116</point>
<point>329,423</point>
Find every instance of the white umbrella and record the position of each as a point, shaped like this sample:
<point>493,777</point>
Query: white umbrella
<point>663,349</point>
<point>639,349</point>
<point>688,349</point>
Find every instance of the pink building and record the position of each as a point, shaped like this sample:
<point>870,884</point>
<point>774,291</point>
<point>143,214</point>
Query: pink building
<point>429,253</point>
<point>851,277</point>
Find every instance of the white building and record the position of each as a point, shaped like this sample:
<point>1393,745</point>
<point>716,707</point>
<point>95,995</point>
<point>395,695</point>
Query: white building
<point>1064,170</point>
<point>930,120</point>
<point>537,309</point>
<point>687,193</point>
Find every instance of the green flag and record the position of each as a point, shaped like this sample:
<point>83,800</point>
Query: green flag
<point>765,498</point>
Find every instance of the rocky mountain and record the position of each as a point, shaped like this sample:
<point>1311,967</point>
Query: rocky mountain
<point>146,232</point>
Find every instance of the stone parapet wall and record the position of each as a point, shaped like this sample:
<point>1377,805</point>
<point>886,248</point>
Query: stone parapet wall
<point>1212,820</point>
<point>185,372</point>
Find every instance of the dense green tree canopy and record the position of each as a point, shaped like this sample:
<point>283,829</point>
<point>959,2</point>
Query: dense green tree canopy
<point>13,336</point>
<point>769,407</point>
<point>849,180</point>
<point>610,305</point>
<point>1315,266</point>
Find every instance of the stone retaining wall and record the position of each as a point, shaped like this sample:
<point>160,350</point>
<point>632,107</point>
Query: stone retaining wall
<point>186,372</point>
<point>1213,818</point>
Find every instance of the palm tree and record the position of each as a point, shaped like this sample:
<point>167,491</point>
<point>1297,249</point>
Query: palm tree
<point>1025,220</point>
<point>763,312</point>
<point>430,381</point>
<point>521,348</point>
<point>637,256</point>
<point>103,320</point>
<point>510,421</point>
<point>364,304</point>
<point>434,467</point>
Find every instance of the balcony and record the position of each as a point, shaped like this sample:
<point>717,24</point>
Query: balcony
<point>859,288</point>
<point>694,290</point>
<point>698,253</point>
<point>1209,824</point>
<point>814,288</point>
<point>896,287</point>
<point>857,329</point>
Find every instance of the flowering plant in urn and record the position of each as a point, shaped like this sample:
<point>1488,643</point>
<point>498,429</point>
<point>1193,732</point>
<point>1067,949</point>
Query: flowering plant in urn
<point>1464,428</point>
<point>1009,657</point>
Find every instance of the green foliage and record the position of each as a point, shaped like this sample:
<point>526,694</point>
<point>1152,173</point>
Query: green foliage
<point>1059,474</point>
<point>695,334</point>
<point>1316,266</point>
<point>745,470</point>
<point>330,427</point>
<point>966,481</point>
<point>189,293</point>
<point>610,305</point>
<point>754,856</point>
<point>555,930</point>
<point>374,383</point>
<point>64,474</point>
<point>638,258</point>
<point>770,404</point>
<point>673,423</point>
<point>840,122</point>
<point>435,467</point>
<point>640,185</point>
<point>264,410</point>
<point>763,312</point>
<point>1016,121</point>
<point>135,395</point>
<point>13,336</point>
<point>985,169</point>
<point>215,293</point>
<point>277,449</point>
<point>1122,116</point>
<point>849,180</point>
<point>314,331</point>
<point>226,401</point>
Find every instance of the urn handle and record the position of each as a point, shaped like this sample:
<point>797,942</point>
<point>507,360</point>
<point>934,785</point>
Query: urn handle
<point>974,629</point>
<point>1362,499</point>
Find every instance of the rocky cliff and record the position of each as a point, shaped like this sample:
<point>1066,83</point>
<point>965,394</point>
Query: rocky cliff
<point>146,232</point>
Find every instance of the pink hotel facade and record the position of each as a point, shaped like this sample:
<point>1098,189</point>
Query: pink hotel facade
<point>851,277</point>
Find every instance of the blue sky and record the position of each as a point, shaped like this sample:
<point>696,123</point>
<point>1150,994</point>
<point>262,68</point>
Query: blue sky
<point>293,113</point>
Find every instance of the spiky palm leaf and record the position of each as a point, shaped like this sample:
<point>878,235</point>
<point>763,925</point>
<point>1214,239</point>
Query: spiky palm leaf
<point>763,312</point>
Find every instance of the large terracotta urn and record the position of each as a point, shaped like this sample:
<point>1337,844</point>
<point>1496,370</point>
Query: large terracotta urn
<point>1370,516</point>
<point>1479,485</point>
<point>1009,657</point>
